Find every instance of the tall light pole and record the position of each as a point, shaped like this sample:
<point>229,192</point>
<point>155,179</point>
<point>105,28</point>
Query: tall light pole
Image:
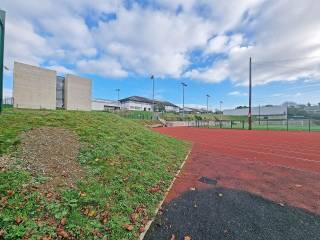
<point>183,86</point>
<point>152,77</point>
<point>221,111</point>
<point>208,103</point>
<point>250,97</point>
<point>2,32</point>
<point>118,90</point>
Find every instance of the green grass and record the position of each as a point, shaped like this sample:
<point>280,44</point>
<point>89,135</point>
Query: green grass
<point>122,161</point>
<point>143,115</point>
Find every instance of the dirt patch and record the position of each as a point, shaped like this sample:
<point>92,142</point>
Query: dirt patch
<point>51,153</point>
<point>6,162</point>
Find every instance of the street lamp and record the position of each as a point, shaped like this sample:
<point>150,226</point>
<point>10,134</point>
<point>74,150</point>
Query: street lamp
<point>208,103</point>
<point>118,90</point>
<point>2,32</point>
<point>221,102</point>
<point>152,77</point>
<point>183,86</point>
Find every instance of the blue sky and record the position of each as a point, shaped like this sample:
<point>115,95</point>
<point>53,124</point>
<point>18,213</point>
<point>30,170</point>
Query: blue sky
<point>205,43</point>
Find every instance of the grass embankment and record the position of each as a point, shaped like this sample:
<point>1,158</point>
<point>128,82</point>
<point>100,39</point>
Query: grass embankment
<point>127,169</point>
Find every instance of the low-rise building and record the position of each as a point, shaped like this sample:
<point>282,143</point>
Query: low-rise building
<point>39,88</point>
<point>263,111</point>
<point>105,105</point>
<point>145,104</point>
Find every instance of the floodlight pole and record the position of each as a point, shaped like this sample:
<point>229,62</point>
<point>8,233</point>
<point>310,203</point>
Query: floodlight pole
<point>220,111</point>
<point>208,103</point>
<point>183,86</point>
<point>2,32</point>
<point>118,90</point>
<point>152,77</point>
<point>250,97</point>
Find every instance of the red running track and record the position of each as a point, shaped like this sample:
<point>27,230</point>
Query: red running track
<point>281,166</point>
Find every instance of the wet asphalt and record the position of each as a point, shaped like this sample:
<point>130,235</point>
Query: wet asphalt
<point>221,213</point>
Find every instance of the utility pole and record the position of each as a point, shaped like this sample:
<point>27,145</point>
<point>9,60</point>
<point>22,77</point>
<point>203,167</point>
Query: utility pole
<point>152,77</point>
<point>250,97</point>
<point>220,111</point>
<point>259,113</point>
<point>208,103</point>
<point>118,90</point>
<point>2,32</point>
<point>183,86</point>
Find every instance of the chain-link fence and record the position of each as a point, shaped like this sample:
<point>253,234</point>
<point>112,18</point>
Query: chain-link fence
<point>8,102</point>
<point>268,124</point>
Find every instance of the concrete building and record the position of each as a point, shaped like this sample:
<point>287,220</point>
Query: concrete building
<point>34,87</point>
<point>105,105</point>
<point>77,93</point>
<point>39,88</point>
<point>145,104</point>
<point>263,111</point>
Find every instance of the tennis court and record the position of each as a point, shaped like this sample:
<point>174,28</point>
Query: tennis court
<point>282,168</point>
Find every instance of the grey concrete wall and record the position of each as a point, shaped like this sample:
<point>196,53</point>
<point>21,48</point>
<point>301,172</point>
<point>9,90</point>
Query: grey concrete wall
<point>34,87</point>
<point>77,93</point>
<point>264,111</point>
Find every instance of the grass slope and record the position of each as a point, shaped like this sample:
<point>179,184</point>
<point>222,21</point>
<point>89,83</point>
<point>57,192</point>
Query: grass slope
<point>123,161</point>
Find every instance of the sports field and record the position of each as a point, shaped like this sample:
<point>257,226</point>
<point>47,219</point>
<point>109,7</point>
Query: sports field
<point>239,184</point>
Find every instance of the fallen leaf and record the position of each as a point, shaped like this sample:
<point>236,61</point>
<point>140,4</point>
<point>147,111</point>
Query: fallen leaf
<point>62,233</point>
<point>19,220</point>
<point>173,237</point>
<point>4,200</point>
<point>2,232</point>
<point>128,227</point>
<point>141,229</point>
<point>97,233</point>
<point>104,217</point>
<point>187,238</point>
<point>92,213</point>
<point>82,194</point>
<point>63,221</point>
<point>49,195</point>
<point>192,189</point>
<point>134,217</point>
<point>298,185</point>
<point>45,238</point>
<point>155,189</point>
<point>10,193</point>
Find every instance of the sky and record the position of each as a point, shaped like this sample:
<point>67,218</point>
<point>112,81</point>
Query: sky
<point>204,43</point>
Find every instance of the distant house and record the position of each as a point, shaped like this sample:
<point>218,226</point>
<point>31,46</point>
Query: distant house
<point>145,104</point>
<point>263,111</point>
<point>104,105</point>
<point>193,110</point>
<point>312,109</point>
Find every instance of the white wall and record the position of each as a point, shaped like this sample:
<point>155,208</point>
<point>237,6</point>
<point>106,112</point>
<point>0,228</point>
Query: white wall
<point>171,109</point>
<point>266,111</point>
<point>138,106</point>
<point>77,93</point>
<point>98,105</point>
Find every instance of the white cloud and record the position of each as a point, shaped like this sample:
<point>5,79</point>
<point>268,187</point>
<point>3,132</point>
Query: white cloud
<point>217,73</point>
<point>160,39</point>
<point>237,93</point>
<point>61,70</point>
<point>103,67</point>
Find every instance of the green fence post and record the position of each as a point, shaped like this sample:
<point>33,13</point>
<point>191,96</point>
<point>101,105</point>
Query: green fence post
<point>231,124</point>
<point>267,124</point>
<point>309,125</point>
<point>287,124</point>
<point>242,124</point>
